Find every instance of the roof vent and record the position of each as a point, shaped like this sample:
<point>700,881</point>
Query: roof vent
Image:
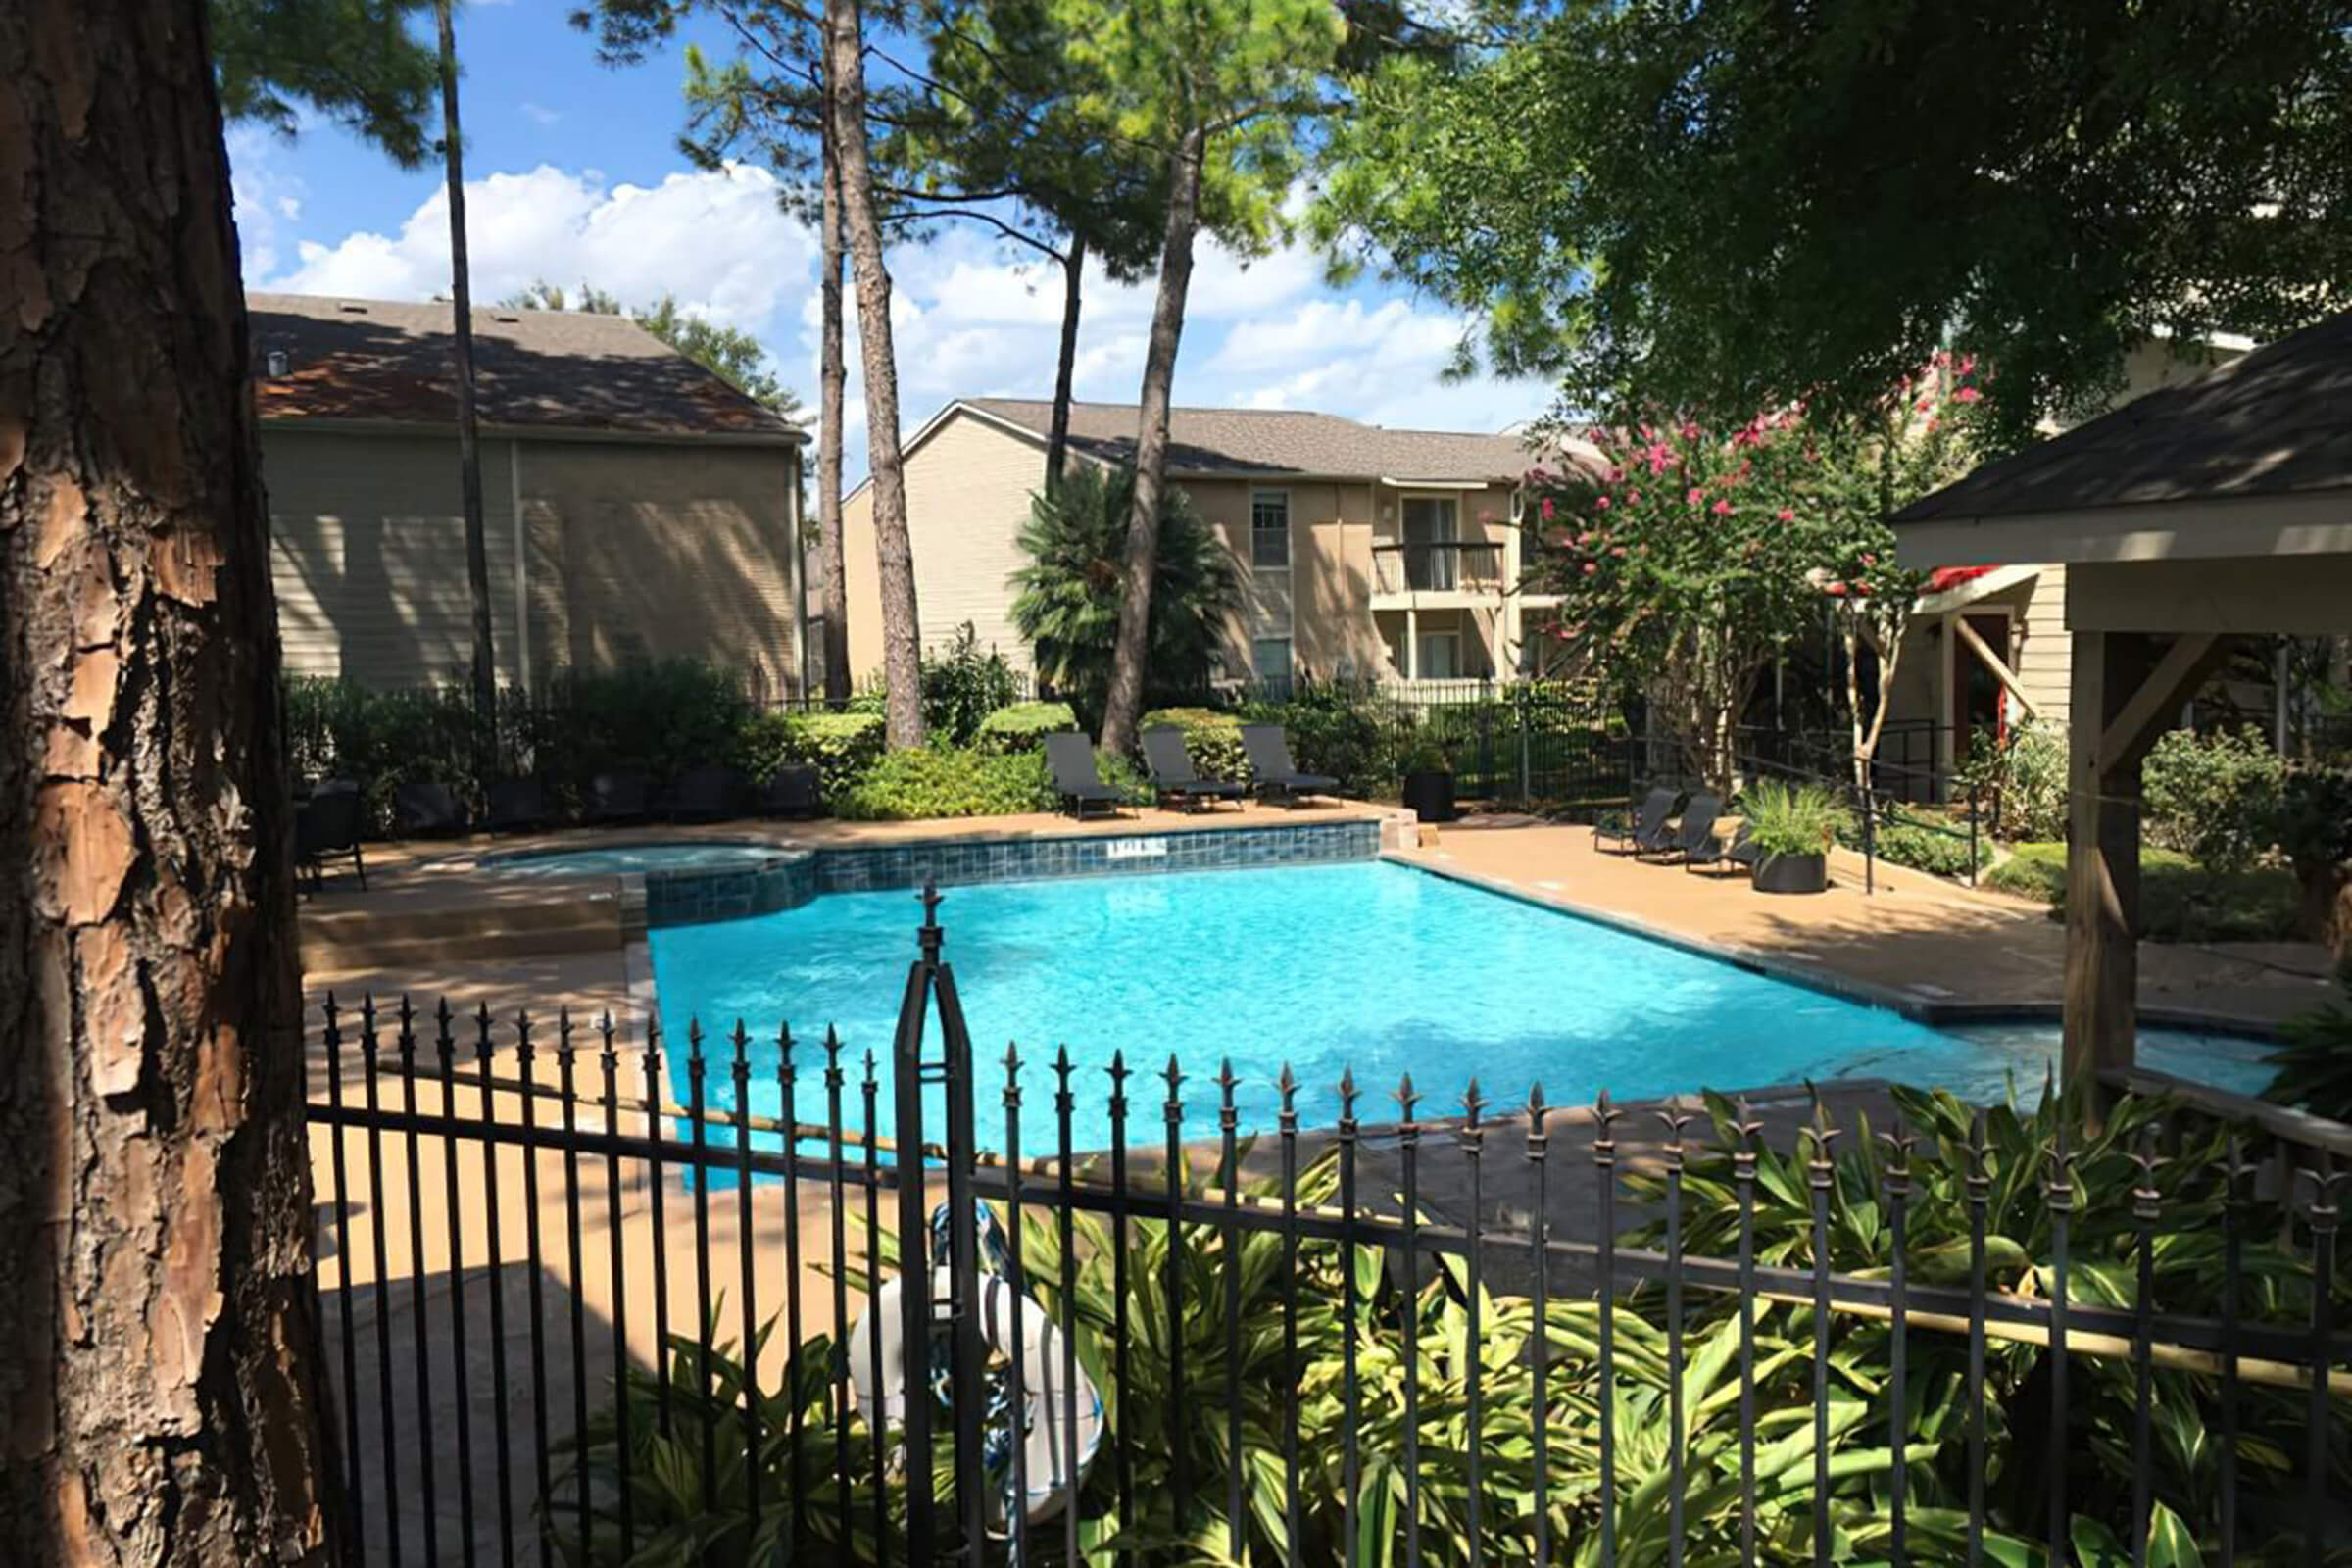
<point>274,364</point>
<point>352,308</point>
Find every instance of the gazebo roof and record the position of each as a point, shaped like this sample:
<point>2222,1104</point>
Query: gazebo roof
<point>2274,427</point>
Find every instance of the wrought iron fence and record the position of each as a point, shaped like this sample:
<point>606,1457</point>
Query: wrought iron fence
<point>586,1302</point>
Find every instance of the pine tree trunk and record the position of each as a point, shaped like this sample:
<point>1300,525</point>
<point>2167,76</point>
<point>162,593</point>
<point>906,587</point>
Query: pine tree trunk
<point>1057,432</point>
<point>159,1372</point>
<point>470,454</point>
<point>1124,705</point>
<point>832,379</point>
<point>894,554</point>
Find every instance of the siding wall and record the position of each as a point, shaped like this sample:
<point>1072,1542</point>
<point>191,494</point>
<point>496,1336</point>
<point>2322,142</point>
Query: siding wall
<point>628,551</point>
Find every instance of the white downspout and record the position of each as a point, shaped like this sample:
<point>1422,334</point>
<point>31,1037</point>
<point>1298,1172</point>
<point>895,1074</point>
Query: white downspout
<point>794,571</point>
<point>522,566</point>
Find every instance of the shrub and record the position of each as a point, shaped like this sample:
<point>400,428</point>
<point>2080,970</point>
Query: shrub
<point>340,729</point>
<point>2179,902</point>
<point>1939,851</point>
<point>2315,1063</point>
<point>1345,732</point>
<point>2215,797</point>
<point>1799,819</point>
<point>840,747</point>
<point>2314,832</point>
<point>945,781</point>
<point>963,686</point>
<point>2020,780</point>
<point>1017,728</point>
<point>1211,738</point>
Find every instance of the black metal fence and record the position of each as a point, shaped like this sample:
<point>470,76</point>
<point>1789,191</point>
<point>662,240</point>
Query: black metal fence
<point>589,1303</point>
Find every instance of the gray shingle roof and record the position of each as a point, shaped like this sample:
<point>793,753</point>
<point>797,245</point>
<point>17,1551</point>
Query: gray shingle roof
<point>1277,441</point>
<point>2277,421</point>
<point>376,360</point>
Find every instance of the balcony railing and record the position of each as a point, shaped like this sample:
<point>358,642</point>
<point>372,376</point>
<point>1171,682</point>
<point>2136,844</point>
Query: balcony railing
<point>1451,567</point>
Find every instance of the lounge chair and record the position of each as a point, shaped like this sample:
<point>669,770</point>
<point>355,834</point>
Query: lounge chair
<point>1740,854</point>
<point>1644,830</point>
<point>1272,770</point>
<point>1174,777</point>
<point>1076,781</point>
<point>1695,829</point>
<point>326,828</point>
<point>792,790</point>
<point>705,793</point>
<point>516,805</point>
<point>422,808</point>
<point>618,797</point>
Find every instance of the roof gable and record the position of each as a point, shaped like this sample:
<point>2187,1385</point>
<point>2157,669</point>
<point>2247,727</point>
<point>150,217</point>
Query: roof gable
<point>1275,443</point>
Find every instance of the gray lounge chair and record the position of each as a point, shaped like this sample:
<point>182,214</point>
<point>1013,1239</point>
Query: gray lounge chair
<point>623,797</point>
<point>516,805</point>
<point>1643,830</point>
<point>1271,770</point>
<point>792,791</point>
<point>704,793</point>
<point>423,807</point>
<point>1695,831</point>
<point>1173,776</point>
<point>1740,854</point>
<point>326,827</point>
<point>1077,782</point>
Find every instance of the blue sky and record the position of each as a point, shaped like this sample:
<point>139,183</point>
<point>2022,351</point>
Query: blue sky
<point>574,174</point>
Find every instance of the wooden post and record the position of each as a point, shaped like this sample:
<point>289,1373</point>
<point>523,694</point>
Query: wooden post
<point>2123,697</point>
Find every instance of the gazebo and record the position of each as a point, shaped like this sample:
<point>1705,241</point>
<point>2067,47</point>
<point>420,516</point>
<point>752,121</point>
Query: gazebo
<point>2219,508</point>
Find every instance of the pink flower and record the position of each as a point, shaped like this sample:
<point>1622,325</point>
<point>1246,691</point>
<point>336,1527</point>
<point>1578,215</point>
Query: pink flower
<point>1584,539</point>
<point>1696,496</point>
<point>1548,508</point>
<point>1633,498</point>
<point>1967,394</point>
<point>1591,566</point>
<point>1785,516</point>
<point>1968,365</point>
<point>1602,502</point>
<point>1721,509</point>
<point>1869,560</point>
<point>1921,406</point>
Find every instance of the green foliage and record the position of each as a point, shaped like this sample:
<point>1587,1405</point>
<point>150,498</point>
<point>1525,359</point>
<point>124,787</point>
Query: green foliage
<point>729,353</point>
<point>352,62</point>
<point>1067,599</point>
<point>662,715</point>
<point>1663,209</point>
<point>384,739</point>
<point>2020,780</point>
<point>2315,1063</point>
<point>1939,851</point>
<point>1019,727</point>
<point>1793,819</point>
<point>1212,739</point>
<point>962,686</point>
<point>839,746</point>
<point>2215,797</point>
<point>1343,732</point>
<point>2178,900</point>
<point>938,782</point>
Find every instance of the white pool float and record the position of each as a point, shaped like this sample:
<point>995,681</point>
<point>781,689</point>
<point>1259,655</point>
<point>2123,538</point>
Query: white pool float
<point>1005,1314</point>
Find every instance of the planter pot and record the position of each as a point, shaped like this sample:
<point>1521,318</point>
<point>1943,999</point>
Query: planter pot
<point>1793,874</point>
<point>1430,796</point>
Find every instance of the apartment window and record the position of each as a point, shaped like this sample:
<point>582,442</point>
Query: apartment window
<point>1270,528</point>
<point>1270,657</point>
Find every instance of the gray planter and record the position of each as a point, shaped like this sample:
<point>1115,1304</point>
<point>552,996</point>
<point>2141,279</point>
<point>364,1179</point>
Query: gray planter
<point>1793,874</point>
<point>1430,795</point>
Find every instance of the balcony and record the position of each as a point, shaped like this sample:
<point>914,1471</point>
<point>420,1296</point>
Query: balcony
<point>1432,574</point>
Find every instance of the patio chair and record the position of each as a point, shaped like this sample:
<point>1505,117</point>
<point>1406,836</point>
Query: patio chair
<point>623,797</point>
<point>424,807</point>
<point>1174,780</point>
<point>1646,829</point>
<point>516,805</point>
<point>1740,854</point>
<point>704,793</point>
<point>1272,770</point>
<point>792,790</point>
<point>1077,782</point>
<point>1694,832</point>
<point>326,828</point>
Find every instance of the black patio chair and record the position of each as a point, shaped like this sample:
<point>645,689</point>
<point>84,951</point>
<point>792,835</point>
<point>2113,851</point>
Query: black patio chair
<point>704,793</point>
<point>1174,779</point>
<point>1693,832</point>
<point>424,807</point>
<point>1077,782</point>
<point>1272,770</point>
<point>622,796</point>
<point>516,805</point>
<point>793,790</point>
<point>326,828</point>
<point>1644,829</point>
<point>1724,858</point>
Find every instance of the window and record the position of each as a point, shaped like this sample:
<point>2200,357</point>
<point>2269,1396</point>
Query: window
<point>1270,657</point>
<point>1270,528</point>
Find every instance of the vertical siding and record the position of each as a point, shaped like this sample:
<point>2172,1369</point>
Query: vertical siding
<point>368,550</point>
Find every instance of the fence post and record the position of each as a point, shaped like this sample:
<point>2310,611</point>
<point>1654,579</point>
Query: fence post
<point>968,1354</point>
<point>1972,832</point>
<point>1526,790</point>
<point>1870,840</point>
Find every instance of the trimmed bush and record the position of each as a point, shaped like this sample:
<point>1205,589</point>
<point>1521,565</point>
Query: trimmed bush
<point>2215,797</point>
<point>339,728</point>
<point>942,781</point>
<point>1018,728</point>
<point>1349,735</point>
<point>1923,849</point>
<point>1211,738</point>
<point>2178,900</point>
<point>840,747</point>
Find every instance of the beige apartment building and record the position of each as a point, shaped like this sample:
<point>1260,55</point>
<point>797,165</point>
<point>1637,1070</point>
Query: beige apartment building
<point>634,504</point>
<point>1364,552</point>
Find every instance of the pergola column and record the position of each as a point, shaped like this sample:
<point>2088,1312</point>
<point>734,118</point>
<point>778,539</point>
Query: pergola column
<point>2124,697</point>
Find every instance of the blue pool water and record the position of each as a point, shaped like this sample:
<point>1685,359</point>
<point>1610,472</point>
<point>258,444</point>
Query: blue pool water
<point>616,858</point>
<point>1377,968</point>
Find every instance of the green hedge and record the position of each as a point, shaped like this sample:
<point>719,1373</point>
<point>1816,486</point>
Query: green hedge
<point>945,782</point>
<point>1019,727</point>
<point>1925,849</point>
<point>839,746</point>
<point>2178,900</point>
<point>1211,738</point>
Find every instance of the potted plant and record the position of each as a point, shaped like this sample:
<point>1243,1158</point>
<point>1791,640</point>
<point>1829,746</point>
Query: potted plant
<point>1791,828</point>
<point>1428,780</point>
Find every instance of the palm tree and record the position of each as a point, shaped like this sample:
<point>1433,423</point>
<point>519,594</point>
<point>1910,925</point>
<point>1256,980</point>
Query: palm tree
<point>1067,599</point>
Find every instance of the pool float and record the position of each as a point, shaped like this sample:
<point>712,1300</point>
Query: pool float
<point>1045,1430</point>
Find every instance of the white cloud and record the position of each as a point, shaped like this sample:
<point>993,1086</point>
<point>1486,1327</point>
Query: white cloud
<point>538,114</point>
<point>265,196</point>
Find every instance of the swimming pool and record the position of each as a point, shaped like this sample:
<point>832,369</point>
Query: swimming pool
<point>614,860</point>
<point>1371,966</point>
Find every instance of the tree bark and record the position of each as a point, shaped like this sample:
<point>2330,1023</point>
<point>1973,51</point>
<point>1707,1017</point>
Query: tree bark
<point>1124,705</point>
<point>1057,432</point>
<point>832,381</point>
<point>160,1395</point>
<point>894,555</point>
<point>469,455</point>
